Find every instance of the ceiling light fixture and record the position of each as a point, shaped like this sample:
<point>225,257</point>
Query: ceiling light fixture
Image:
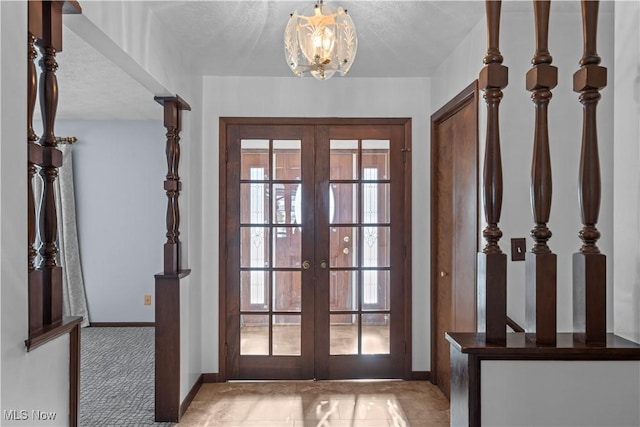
<point>320,41</point>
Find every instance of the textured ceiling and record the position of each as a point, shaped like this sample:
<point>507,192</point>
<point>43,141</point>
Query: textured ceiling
<point>245,38</point>
<point>93,88</point>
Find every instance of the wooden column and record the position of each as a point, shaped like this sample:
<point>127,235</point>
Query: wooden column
<point>589,265</point>
<point>492,262</point>
<point>167,359</point>
<point>34,157</point>
<point>49,44</point>
<point>541,263</point>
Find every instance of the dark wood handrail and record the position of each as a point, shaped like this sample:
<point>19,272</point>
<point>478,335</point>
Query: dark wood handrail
<point>514,325</point>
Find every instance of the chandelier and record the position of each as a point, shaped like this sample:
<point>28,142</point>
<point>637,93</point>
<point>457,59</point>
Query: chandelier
<point>320,41</point>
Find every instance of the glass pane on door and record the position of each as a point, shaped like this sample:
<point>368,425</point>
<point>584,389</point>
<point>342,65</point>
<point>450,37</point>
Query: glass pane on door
<point>270,247</point>
<point>359,247</point>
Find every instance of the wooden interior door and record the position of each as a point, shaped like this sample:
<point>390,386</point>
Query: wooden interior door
<point>315,260</point>
<point>361,245</point>
<point>269,284</point>
<point>454,228</point>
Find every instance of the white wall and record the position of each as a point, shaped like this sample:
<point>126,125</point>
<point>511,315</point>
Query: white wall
<point>517,45</point>
<point>37,380</point>
<point>307,97</point>
<point>460,68</point>
<point>119,170</point>
<point>560,393</point>
<point>626,196</point>
<point>191,229</point>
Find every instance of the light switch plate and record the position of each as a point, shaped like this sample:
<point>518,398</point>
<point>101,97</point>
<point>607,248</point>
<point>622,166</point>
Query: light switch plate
<point>518,249</point>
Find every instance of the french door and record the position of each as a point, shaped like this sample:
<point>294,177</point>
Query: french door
<point>315,253</point>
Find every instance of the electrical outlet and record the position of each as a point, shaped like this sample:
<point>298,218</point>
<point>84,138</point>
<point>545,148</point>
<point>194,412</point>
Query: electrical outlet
<point>147,300</point>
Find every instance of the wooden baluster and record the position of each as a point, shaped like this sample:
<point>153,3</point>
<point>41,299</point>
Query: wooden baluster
<point>172,185</point>
<point>35,285</point>
<point>32,90</point>
<point>589,265</point>
<point>49,44</point>
<point>541,263</point>
<point>492,262</point>
<point>173,160</point>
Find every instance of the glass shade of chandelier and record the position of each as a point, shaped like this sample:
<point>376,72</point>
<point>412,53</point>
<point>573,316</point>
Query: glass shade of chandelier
<point>320,41</point>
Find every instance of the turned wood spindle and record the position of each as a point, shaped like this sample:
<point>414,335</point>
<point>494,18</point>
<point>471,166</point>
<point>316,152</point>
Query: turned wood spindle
<point>541,263</point>
<point>172,185</point>
<point>49,44</point>
<point>492,262</point>
<point>173,160</point>
<point>35,286</point>
<point>589,265</point>
<point>32,89</point>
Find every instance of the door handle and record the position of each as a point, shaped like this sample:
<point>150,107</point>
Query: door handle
<point>443,274</point>
<point>306,264</point>
<point>324,263</point>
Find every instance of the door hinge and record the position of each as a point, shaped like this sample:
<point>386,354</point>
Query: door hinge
<point>226,155</point>
<point>404,152</point>
<point>404,343</point>
<point>226,351</point>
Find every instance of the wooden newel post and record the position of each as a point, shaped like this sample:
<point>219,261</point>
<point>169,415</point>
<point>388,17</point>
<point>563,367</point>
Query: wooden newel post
<point>541,263</point>
<point>589,265</point>
<point>492,262</point>
<point>167,345</point>
<point>172,185</point>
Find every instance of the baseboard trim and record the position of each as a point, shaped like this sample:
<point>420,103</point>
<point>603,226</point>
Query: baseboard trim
<point>121,324</point>
<point>420,376</point>
<point>189,398</point>
<point>212,377</point>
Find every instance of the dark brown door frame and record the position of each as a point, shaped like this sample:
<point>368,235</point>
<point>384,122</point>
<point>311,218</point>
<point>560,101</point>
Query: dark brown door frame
<point>224,237</point>
<point>468,95</point>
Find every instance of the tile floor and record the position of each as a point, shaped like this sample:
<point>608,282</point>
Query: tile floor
<point>318,404</point>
